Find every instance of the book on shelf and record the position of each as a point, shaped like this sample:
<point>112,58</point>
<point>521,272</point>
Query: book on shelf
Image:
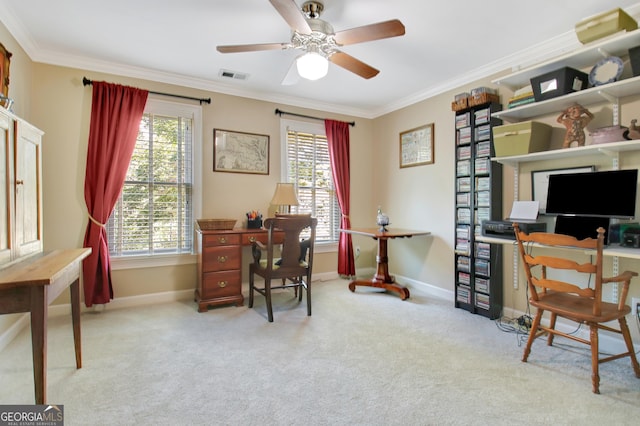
<point>481,166</point>
<point>464,278</point>
<point>463,264</point>
<point>482,116</point>
<point>482,284</point>
<point>464,135</point>
<point>464,152</point>
<point>482,267</point>
<point>483,250</point>
<point>483,149</point>
<point>483,183</point>
<point>464,215</point>
<point>483,199</point>
<point>482,300</point>
<point>463,168</point>
<point>463,184</point>
<point>483,132</point>
<point>462,231</point>
<point>463,120</point>
<point>463,199</point>
<point>519,102</point>
<point>463,294</point>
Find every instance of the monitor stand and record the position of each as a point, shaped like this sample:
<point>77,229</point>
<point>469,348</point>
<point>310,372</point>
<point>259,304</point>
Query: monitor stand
<point>582,227</point>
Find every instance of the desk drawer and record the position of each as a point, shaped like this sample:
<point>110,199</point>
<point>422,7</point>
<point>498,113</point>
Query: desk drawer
<point>221,284</point>
<point>220,240</point>
<point>222,258</point>
<point>249,238</point>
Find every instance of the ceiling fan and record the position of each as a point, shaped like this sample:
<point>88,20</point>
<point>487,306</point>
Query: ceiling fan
<point>318,41</point>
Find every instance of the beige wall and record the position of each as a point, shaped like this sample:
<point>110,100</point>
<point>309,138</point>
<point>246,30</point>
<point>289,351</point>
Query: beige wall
<point>54,99</point>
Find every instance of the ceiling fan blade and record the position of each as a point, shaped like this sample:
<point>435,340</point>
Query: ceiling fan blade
<point>392,28</point>
<point>251,47</point>
<point>292,14</point>
<point>354,65</point>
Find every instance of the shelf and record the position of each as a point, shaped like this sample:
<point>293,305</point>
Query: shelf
<point>610,149</point>
<point>586,56</point>
<point>593,95</point>
<point>613,250</point>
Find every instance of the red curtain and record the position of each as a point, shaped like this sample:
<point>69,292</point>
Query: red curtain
<point>338,141</point>
<point>116,112</point>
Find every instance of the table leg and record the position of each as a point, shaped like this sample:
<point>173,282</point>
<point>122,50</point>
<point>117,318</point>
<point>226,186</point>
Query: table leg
<point>75,317</point>
<point>382,279</point>
<point>39,309</point>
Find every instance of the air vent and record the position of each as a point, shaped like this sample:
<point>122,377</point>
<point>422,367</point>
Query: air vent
<point>233,74</point>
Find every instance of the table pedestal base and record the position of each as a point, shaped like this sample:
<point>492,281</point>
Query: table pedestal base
<point>402,291</point>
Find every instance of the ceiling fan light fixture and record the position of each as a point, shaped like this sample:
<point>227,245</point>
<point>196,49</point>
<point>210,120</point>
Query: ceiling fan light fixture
<point>312,66</point>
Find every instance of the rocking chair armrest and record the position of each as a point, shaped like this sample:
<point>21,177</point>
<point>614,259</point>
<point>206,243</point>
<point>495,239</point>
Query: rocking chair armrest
<point>624,278</point>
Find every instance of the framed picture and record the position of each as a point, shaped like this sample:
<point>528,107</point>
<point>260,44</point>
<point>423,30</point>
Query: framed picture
<point>540,183</point>
<point>416,146</point>
<point>240,152</point>
<point>5,61</point>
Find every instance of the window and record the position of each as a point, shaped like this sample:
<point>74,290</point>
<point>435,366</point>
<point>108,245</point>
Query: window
<point>155,212</point>
<point>306,164</point>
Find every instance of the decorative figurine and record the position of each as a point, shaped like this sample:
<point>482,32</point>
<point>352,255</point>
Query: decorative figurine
<point>382,220</point>
<point>634,131</point>
<point>575,119</point>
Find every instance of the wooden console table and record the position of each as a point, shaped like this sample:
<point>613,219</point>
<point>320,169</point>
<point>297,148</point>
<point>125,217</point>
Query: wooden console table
<point>30,286</point>
<point>382,279</point>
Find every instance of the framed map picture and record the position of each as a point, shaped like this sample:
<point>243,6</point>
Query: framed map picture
<point>240,152</point>
<point>416,146</point>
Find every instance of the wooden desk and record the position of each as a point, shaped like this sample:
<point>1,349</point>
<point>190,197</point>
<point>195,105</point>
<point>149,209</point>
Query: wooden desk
<point>382,279</point>
<point>219,264</point>
<point>30,286</point>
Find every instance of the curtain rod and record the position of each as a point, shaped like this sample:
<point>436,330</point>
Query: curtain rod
<point>280,112</point>
<point>86,82</point>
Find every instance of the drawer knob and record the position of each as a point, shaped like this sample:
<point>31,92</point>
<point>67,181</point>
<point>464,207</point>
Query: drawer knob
<point>222,284</point>
<point>222,240</point>
<point>252,239</point>
<point>222,259</point>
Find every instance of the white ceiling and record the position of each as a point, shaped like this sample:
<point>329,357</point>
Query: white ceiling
<point>447,44</point>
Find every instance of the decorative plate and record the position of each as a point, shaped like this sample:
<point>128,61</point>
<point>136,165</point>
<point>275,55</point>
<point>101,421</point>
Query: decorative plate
<point>606,71</point>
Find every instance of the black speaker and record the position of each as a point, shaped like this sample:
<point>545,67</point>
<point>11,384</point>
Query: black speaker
<point>634,58</point>
<point>582,227</point>
<point>617,230</point>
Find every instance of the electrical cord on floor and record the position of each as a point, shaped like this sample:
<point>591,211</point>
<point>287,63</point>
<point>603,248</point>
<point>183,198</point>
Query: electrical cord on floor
<point>520,326</point>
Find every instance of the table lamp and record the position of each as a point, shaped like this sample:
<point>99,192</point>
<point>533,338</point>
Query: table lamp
<point>284,197</point>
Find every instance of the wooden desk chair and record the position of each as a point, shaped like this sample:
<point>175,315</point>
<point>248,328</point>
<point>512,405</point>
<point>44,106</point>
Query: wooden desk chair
<point>571,301</point>
<point>290,267</point>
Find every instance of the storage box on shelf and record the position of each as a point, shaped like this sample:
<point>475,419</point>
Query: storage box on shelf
<point>558,82</point>
<point>521,138</point>
<point>604,24</point>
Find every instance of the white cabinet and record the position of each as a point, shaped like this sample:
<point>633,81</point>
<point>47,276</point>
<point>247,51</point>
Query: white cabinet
<point>20,189</point>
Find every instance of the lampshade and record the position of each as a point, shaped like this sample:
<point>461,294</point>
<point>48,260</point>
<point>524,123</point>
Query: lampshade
<point>312,66</point>
<point>285,195</point>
